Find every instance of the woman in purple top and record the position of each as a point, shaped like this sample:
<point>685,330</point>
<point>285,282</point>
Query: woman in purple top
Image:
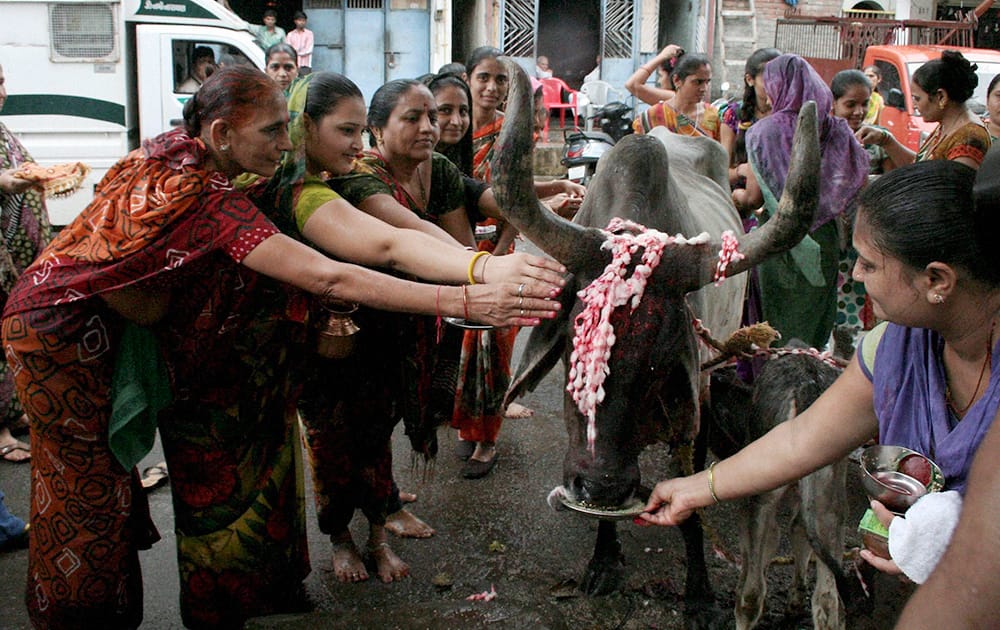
<point>928,257</point>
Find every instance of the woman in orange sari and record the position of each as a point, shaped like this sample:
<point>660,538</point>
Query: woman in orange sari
<point>686,112</point>
<point>941,90</point>
<point>484,365</point>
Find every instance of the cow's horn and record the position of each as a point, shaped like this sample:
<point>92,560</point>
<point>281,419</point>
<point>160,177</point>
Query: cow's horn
<point>796,210</point>
<point>513,184</point>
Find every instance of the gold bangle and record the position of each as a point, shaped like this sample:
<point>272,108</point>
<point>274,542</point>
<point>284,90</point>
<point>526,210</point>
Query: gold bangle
<point>711,483</point>
<point>472,264</point>
<point>483,271</point>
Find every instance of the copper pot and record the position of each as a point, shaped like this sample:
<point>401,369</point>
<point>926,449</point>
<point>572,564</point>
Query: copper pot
<point>336,331</point>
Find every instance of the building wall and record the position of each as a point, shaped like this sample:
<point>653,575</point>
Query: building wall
<point>768,12</point>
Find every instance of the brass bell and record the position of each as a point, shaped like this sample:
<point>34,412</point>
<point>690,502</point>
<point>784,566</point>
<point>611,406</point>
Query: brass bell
<point>335,336</point>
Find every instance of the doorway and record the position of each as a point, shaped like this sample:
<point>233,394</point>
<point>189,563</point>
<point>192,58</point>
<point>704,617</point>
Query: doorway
<point>569,34</point>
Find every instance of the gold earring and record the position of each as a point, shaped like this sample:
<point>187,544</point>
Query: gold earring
<point>938,298</point>
<point>224,148</point>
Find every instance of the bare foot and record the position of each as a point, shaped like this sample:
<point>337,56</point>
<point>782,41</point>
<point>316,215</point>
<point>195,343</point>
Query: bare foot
<point>517,411</point>
<point>406,525</point>
<point>485,451</point>
<point>348,565</point>
<point>407,497</point>
<point>391,567</point>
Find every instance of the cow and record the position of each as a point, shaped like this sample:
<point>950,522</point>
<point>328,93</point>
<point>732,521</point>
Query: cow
<point>653,392</point>
<point>738,413</point>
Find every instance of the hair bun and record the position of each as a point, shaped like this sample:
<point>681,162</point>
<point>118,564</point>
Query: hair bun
<point>956,58</point>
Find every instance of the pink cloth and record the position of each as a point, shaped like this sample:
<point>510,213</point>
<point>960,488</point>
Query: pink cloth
<point>302,42</point>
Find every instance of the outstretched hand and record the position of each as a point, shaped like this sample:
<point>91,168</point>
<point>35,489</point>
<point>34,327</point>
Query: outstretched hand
<point>674,500</point>
<point>563,204</point>
<point>868,134</point>
<point>524,304</point>
<point>521,268</point>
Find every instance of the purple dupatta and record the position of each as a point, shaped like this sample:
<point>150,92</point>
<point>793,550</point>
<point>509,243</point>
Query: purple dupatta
<point>789,82</point>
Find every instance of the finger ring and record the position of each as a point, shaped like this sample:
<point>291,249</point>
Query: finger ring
<point>520,290</point>
<point>520,301</point>
<point>522,312</point>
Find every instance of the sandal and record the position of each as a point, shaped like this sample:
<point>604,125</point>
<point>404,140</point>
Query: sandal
<point>16,447</point>
<point>154,476</point>
<point>477,469</point>
<point>464,449</point>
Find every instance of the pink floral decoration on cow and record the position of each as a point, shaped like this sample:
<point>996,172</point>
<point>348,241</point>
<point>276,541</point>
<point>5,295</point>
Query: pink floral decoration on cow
<point>727,254</point>
<point>594,335</point>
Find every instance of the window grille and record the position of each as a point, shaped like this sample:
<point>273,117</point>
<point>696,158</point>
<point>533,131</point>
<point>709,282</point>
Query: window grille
<point>323,4</point>
<point>82,32</point>
<point>519,28</point>
<point>618,28</point>
<point>364,4</point>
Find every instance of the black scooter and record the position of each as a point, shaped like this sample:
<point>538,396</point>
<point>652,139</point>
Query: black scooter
<point>582,149</point>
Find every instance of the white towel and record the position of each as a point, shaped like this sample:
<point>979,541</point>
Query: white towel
<point>918,540</point>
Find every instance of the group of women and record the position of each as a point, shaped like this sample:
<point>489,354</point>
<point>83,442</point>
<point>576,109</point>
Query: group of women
<point>184,267</point>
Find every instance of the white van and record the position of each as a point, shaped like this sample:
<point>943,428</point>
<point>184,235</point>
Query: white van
<point>88,80</point>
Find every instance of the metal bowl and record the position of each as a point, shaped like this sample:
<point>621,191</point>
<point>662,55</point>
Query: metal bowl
<point>882,480</point>
<point>632,508</point>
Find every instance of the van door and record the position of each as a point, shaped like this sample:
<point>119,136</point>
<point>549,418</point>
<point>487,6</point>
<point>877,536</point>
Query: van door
<point>164,61</point>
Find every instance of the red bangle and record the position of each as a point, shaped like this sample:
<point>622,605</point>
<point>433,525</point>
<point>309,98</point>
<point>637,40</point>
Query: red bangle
<point>437,311</point>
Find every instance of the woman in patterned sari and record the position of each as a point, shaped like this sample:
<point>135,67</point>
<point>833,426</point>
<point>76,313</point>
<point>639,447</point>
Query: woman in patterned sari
<point>26,230</point>
<point>686,112</point>
<point>484,365</point>
<point>941,90</point>
<point>168,246</point>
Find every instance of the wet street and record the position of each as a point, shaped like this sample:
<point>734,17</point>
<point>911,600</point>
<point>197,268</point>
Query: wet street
<point>495,533</point>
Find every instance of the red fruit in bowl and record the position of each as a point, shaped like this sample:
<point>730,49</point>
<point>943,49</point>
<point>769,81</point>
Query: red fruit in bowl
<point>916,466</point>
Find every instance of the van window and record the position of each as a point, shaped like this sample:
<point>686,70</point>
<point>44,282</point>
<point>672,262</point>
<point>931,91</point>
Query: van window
<point>890,77</point>
<point>193,63</point>
<point>82,32</point>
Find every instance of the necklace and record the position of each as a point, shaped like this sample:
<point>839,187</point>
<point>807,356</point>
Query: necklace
<point>982,372</point>
<point>423,191</point>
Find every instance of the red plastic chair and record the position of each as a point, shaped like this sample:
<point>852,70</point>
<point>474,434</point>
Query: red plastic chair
<point>553,90</point>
